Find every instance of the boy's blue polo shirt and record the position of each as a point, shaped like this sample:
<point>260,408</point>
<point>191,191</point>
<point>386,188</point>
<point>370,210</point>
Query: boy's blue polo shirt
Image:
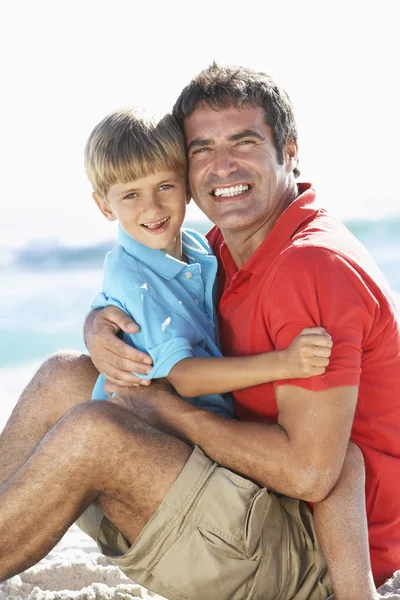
<point>172,302</point>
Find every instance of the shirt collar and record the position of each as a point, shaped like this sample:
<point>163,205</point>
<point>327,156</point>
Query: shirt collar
<point>162,264</point>
<point>299,211</point>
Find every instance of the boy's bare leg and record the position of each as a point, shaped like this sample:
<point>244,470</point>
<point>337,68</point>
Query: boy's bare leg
<point>341,525</point>
<point>64,380</point>
<point>99,452</point>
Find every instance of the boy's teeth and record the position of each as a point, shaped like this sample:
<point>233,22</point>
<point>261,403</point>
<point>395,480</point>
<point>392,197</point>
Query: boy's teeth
<point>155,225</point>
<point>231,191</point>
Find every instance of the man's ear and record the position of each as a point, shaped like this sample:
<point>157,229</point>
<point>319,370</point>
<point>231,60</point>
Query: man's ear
<point>104,207</point>
<point>291,151</point>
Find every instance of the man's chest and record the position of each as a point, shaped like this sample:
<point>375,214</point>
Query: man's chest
<point>243,321</point>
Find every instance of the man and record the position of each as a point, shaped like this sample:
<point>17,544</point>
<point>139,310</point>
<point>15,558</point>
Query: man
<point>242,176</point>
<point>287,265</point>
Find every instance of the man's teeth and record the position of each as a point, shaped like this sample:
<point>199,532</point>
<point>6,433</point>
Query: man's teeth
<point>231,191</point>
<point>156,224</point>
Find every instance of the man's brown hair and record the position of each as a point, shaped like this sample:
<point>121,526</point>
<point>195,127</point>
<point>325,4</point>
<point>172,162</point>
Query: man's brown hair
<point>222,86</point>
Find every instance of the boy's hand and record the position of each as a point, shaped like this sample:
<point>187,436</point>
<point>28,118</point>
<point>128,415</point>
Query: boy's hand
<point>308,354</point>
<point>111,356</point>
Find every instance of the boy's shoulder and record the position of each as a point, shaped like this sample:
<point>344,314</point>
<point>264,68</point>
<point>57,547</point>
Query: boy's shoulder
<point>122,272</point>
<point>119,259</point>
<point>194,241</point>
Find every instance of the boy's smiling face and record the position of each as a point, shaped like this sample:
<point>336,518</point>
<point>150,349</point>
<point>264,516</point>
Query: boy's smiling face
<point>151,209</point>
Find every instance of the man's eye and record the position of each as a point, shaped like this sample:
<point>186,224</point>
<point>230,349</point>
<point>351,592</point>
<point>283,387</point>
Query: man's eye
<point>199,151</point>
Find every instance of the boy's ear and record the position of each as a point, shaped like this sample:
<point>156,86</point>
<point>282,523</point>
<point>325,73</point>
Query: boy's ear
<point>104,207</point>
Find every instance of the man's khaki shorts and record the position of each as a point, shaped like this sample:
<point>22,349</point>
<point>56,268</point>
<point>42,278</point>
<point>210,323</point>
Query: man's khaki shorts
<point>218,536</point>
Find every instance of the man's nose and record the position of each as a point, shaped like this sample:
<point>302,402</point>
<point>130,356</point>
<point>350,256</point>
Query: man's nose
<point>224,162</point>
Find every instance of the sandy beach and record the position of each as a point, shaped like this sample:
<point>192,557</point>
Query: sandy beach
<point>75,570</point>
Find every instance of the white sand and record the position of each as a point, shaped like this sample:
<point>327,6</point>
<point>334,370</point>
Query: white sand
<point>76,570</point>
<point>73,569</point>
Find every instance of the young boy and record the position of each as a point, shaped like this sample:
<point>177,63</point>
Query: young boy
<point>165,277</point>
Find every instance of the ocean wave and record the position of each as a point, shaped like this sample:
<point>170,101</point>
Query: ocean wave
<point>49,253</point>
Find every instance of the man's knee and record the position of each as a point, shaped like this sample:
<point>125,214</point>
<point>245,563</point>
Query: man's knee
<point>67,372</point>
<point>66,365</point>
<point>103,422</point>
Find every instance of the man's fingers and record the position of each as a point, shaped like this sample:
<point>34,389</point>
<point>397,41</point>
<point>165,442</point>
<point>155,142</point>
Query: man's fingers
<point>127,357</point>
<point>120,318</point>
<point>120,378</point>
<point>135,382</point>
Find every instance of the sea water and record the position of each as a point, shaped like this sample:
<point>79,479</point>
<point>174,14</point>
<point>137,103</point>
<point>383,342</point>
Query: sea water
<point>46,290</point>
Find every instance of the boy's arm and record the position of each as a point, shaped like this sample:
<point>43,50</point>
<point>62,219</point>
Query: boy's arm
<point>306,356</point>
<point>341,526</point>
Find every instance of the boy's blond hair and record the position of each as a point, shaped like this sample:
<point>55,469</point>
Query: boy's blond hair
<point>129,144</point>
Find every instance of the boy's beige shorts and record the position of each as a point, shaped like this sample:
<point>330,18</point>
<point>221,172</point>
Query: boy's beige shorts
<point>218,536</point>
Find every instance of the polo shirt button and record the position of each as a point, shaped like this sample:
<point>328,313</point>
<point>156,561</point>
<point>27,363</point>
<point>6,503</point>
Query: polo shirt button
<point>188,275</point>
<point>196,300</point>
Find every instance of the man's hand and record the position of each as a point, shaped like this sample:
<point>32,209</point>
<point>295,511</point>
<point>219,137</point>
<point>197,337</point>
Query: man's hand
<point>159,406</point>
<point>110,355</point>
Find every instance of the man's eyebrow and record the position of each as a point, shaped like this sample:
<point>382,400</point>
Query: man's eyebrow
<point>200,143</point>
<point>246,133</point>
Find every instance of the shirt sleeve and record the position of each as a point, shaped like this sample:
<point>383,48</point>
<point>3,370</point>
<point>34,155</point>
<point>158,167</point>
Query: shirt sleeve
<point>315,287</point>
<point>102,300</point>
<point>165,333</point>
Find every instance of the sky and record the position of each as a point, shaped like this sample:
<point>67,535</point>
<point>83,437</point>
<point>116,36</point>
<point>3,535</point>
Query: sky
<point>65,64</point>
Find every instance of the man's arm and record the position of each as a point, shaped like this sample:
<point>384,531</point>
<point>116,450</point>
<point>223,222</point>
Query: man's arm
<point>110,355</point>
<point>300,456</point>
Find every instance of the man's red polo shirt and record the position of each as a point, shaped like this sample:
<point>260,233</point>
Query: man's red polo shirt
<point>311,271</point>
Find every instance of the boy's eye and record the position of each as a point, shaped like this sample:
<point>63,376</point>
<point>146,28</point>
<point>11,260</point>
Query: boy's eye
<point>130,196</point>
<point>165,186</point>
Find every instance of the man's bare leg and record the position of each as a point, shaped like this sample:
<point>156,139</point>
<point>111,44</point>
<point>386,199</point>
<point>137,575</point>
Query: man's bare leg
<point>64,380</point>
<point>99,452</point>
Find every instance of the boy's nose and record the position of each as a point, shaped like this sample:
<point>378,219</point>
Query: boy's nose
<point>153,201</point>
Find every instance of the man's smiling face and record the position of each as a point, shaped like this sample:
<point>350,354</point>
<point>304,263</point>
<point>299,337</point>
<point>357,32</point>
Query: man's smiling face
<point>234,174</point>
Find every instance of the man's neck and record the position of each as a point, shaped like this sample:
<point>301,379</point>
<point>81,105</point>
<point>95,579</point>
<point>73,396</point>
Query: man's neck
<point>243,244</point>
